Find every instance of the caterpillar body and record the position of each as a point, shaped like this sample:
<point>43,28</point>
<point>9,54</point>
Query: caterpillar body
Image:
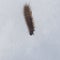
<point>29,19</point>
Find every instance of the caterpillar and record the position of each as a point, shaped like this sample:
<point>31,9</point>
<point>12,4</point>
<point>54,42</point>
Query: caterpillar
<point>29,19</point>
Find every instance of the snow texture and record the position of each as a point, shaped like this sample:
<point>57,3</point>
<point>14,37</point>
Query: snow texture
<point>15,41</point>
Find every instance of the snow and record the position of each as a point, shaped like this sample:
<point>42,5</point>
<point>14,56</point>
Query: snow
<point>15,41</point>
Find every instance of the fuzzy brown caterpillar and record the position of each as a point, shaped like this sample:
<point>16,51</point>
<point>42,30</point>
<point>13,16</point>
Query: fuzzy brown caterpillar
<point>28,18</point>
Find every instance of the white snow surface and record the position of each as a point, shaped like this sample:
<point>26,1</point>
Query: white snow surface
<point>15,41</point>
